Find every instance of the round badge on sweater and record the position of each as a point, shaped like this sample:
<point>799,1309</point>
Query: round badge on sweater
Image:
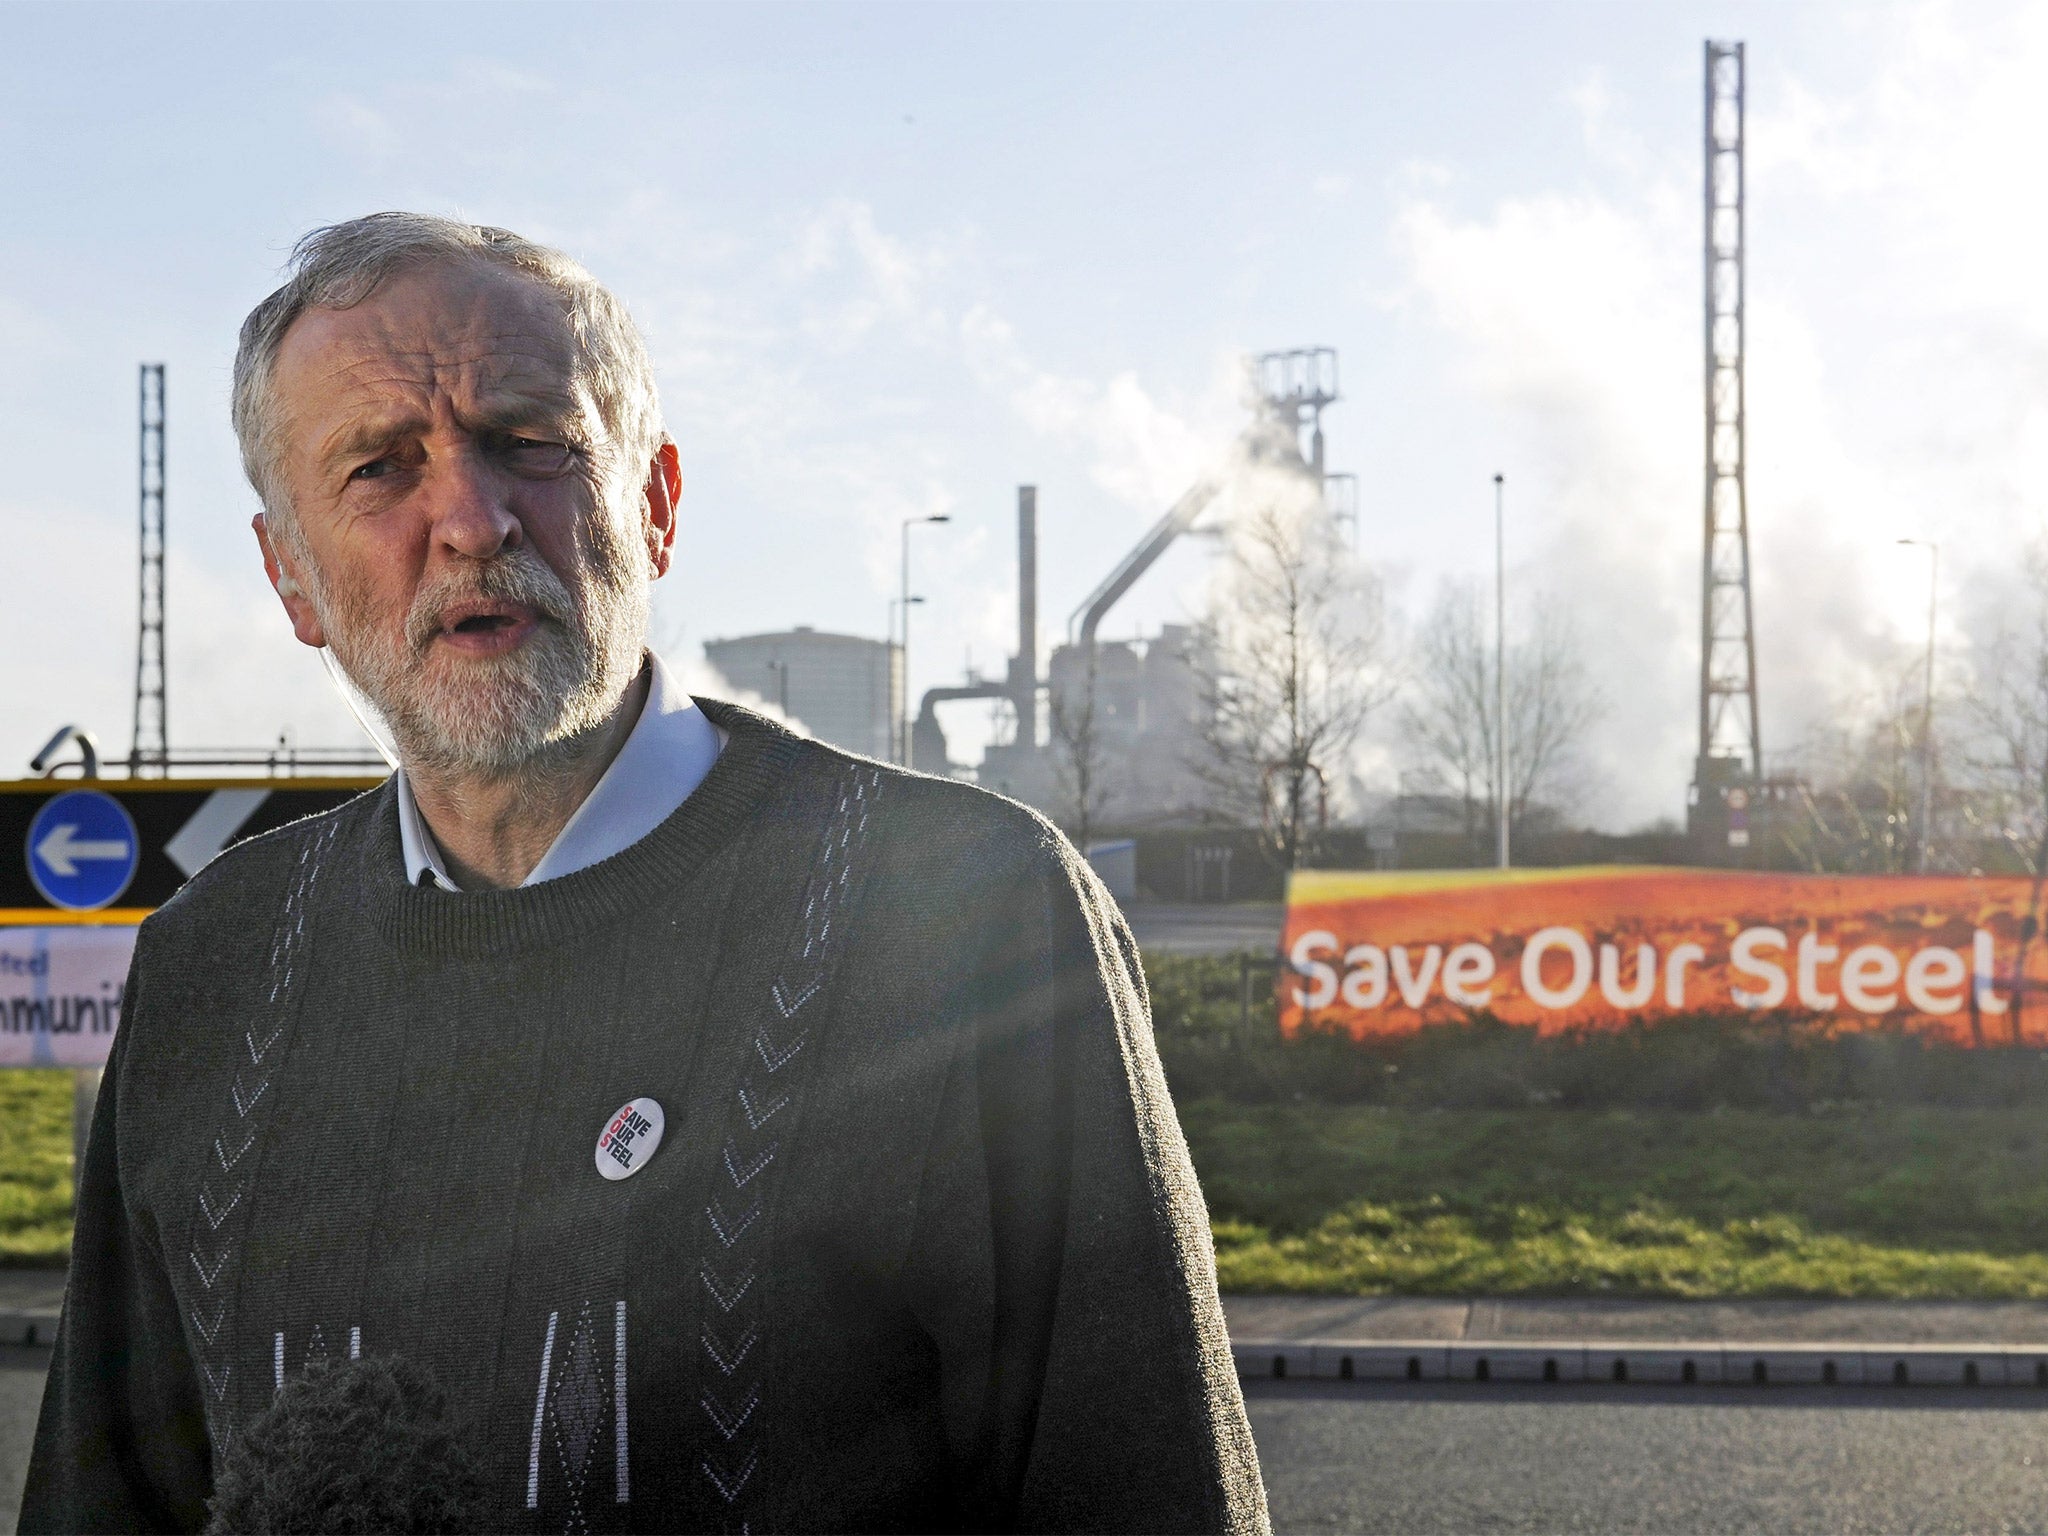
<point>629,1138</point>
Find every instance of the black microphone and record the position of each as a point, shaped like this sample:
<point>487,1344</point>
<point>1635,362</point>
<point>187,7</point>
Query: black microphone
<point>355,1446</point>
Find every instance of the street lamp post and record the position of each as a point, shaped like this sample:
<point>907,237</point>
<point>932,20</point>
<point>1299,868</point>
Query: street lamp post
<point>781,671</point>
<point>903,739</point>
<point>1927,706</point>
<point>895,715</point>
<point>1504,798</point>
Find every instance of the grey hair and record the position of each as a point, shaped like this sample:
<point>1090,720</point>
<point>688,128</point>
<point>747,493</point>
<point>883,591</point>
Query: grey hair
<point>340,266</point>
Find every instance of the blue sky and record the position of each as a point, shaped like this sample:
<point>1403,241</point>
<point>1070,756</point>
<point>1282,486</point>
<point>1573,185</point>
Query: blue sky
<point>898,259</point>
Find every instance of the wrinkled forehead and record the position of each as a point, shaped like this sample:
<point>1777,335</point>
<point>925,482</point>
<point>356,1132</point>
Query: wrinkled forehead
<point>468,332</point>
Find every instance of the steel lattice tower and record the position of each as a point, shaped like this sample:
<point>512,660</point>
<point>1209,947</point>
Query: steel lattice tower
<point>1728,713</point>
<point>150,751</point>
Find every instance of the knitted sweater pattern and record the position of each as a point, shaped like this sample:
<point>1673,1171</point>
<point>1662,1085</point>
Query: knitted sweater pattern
<point>920,1247</point>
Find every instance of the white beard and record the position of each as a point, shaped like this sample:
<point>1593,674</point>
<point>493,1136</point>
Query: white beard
<point>499,716</point>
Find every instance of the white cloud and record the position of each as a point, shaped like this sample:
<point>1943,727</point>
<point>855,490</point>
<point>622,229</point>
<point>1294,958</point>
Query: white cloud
<point>873,278</point>
<point>351,124</point>
<point>1568,315</point>
<point>1575,315</point>
<point>1140,451</point>
<point>694,674</point>
<point>466,111</point>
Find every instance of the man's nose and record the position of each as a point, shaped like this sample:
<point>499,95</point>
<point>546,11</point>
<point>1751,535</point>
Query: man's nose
<point>469,507</point>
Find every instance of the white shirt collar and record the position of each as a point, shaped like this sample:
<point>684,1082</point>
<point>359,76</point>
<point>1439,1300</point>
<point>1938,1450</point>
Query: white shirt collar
<point>670,749</point>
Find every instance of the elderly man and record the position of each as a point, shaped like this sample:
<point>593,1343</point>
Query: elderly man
<point>742,1134</point>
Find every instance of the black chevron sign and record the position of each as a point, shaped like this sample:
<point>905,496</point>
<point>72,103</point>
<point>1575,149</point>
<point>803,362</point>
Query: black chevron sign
<point>181,823</point>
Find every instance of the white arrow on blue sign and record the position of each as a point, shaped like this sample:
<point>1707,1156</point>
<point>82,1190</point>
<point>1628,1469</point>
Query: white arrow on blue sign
<point>82,850</point>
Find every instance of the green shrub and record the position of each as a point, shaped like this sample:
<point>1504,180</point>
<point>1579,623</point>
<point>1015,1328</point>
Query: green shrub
<point>35,1166</point>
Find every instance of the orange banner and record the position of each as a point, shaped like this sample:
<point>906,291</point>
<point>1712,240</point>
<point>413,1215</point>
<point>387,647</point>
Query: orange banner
<point>1379,954</point>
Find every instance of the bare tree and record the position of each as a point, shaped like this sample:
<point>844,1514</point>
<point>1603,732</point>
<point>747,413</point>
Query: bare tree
<point>1080,762</point>
<point>2008,719</point>
<point>1289,665</point>
<point>1450,719</point>
<point>1857,796</point>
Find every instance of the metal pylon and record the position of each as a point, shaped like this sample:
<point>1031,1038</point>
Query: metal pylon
<point>1728,712</point>
<point>150,749</point>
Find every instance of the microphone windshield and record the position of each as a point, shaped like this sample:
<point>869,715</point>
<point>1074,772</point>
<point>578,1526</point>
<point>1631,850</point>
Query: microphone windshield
<point>355,1446</point>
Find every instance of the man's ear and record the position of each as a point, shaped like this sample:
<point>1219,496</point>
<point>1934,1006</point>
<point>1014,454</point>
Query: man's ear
<point>664,492</point>
<point>290,589</point>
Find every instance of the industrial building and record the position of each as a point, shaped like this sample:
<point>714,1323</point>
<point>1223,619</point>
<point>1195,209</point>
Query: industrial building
<point>1147,734</point>
<point>1142,710</point>
<point>844,688</point>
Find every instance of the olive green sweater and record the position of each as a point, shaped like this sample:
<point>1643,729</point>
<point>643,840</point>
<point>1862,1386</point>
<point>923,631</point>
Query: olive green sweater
<point>920,1247</point>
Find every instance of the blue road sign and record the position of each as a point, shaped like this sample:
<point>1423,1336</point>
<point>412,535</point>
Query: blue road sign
<point>82,850</point>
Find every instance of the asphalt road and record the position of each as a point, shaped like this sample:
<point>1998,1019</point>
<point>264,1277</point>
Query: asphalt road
<point>1363,1457</point>
<point>21,1396</point>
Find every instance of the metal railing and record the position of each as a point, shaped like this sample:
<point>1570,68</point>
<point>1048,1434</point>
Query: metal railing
<point>282,761</point>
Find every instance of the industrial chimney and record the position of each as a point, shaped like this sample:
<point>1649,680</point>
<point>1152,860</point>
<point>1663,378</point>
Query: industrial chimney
<point>1024,666</point>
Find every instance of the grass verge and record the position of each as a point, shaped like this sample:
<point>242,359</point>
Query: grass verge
<point>35,1167</point>
<point>1351,1199</point>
